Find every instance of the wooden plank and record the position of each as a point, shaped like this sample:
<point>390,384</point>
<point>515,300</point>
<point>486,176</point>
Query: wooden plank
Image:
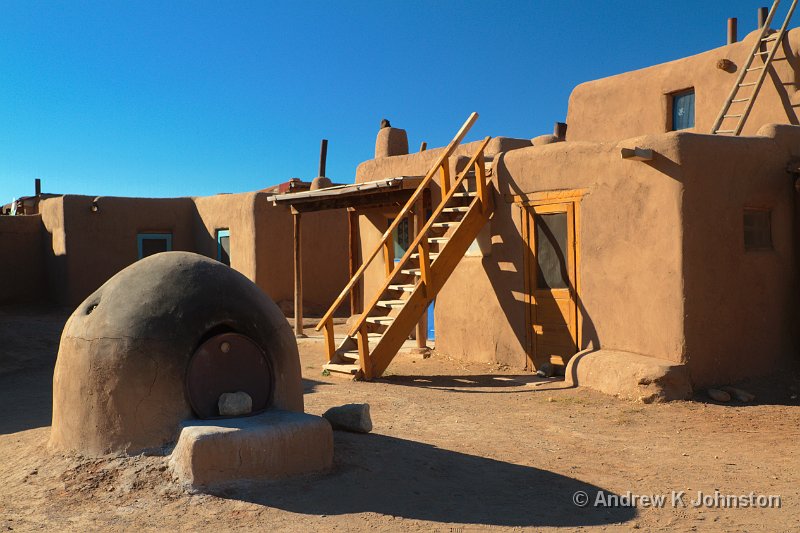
<point>388,257</point>
<point>298,278</point>
<point>419,223</point>
<point>330,342</point>
<point>444,177</point>
<point>480,181</point>
<point>353,243</point>
<point>425,267</point>
<point>363,353</point>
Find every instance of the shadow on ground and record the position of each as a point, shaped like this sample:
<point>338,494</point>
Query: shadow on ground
<point>412,480</point>
<point>486,383</point>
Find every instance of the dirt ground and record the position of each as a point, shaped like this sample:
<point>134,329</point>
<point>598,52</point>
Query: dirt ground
<point>456,447</point>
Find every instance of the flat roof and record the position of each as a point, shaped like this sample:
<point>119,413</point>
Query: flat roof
<point>367,194</point>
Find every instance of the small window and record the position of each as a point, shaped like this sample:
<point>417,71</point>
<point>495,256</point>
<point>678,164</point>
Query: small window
<point>757,229</point>
<point>683,110</point>
<point>224,246</point>
<point>153,243</point>
<point>400,238</point>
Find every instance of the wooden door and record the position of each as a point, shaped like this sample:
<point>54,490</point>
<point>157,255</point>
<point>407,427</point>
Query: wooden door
<point>551,280</point>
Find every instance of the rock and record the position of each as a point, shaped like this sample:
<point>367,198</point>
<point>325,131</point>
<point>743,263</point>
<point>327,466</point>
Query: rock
<point>740,394</point>
<point>350,417</point>
<point>235,404</point>
<point>546,370</point>
<point>719,395</point>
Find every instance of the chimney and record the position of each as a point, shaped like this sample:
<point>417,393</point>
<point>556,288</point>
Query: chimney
<point>38,187</point>
<point>732,30</point>
<point>323,156</point>
<point>763,13</point>
<point>560,131</point>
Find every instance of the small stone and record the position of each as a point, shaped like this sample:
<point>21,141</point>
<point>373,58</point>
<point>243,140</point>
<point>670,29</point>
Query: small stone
<point>740,394</point>
<point>235,404</point>
<point>350,417</point>
<point>546,371</point>
<point>719,395</point>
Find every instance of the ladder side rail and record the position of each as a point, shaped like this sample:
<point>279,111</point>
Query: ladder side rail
<point>442,159</point>
<point>423,234</point>
<point>743,71</point>
<point>767,62</point>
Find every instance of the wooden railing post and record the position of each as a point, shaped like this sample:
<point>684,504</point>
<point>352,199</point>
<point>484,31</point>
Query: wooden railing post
<point>480,181</point>
<point>388,256</point>
<point>330,343</point>
<point>444,176</point>
<point>363,352</point>
<point>425,267</point>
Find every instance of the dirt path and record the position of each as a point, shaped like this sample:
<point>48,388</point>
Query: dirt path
<point>454,446</point>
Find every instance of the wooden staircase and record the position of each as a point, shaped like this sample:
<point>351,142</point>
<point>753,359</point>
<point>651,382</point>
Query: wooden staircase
<point>737,107</point>
<point>413,282</point>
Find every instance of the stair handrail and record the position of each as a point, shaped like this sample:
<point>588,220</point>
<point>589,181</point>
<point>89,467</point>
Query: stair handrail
<point>442,159</point>
<point>423,233</point>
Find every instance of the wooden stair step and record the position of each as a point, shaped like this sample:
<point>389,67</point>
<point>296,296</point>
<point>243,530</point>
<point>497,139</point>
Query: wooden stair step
<point>467,194</point>
<point>445,224</point>
<point>382,320</point>
<point>431,256</point>
<point>459,209</point>
<point>341,368</point>
<point>438,240</point>
<point>412,271</point>
<point>391,303</point>
<point>404,288</point>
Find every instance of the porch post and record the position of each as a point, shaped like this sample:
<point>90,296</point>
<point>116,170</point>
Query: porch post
<point>298,277</point>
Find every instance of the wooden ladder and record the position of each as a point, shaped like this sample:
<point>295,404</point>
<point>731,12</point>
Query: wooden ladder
<point>413,282</point>
<point>748,101</point>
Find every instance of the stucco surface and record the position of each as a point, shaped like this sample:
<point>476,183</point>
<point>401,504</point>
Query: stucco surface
<point>637,102</point>
<point>273,444</point>
<point>119,377</point>
<point>22,270</point>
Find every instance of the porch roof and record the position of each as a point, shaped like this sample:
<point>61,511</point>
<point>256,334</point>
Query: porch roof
<point>378,193</point>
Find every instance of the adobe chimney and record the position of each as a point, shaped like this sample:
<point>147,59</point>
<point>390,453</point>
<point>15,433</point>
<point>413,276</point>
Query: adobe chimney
<point>732,30</point>
<point>763,12</point>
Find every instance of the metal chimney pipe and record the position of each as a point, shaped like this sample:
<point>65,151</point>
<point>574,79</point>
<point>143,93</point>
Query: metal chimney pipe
<point>37,184</point>
<point>732,30</point>
<point>560,131</point>
<point>763,13</point>
<point>323,156</point>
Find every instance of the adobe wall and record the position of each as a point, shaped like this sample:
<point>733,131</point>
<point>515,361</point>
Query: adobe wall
<point>740,305</point>
<point>22,273</point>
<point>630,255</point>
<point>637,102</point>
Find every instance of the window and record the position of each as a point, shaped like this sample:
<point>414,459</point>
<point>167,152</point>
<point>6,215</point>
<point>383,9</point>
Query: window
<point>757,229</point>
<point>683,110</point>
<point>400,238</point>
<point>153,243</point>
<point>551,251</point>
<point>224,246</point>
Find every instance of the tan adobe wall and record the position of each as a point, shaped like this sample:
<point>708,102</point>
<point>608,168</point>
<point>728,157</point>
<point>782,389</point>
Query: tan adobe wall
<point>22,273</point>
<point>637,103</point>
<point>740,305</point>
<point>630,253</point>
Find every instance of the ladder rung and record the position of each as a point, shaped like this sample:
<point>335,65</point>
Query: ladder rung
<point>404,288</point>
<point>726,131</point>
<point>746,84</point>
<point>391,303</point>
<point>445,224</point>
<point>731,116</point>
<point>461,209</point>
<point>740,100</point>
<point>383,320</point>
<point>772,37</point>
<point>755,68</point>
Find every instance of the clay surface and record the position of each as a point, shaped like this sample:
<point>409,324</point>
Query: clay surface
<point>270,445</point>
<point>119,377</point>
<point>629,376</point>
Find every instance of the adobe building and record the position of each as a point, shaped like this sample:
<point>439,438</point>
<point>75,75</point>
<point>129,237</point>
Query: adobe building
<point>645,251</point>
<point>71,244</point>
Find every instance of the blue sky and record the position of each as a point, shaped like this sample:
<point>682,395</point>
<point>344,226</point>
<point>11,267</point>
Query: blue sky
<point>185,98</point>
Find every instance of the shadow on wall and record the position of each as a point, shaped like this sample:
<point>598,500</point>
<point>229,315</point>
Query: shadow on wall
<point>418,481</point>
<point>503,281</point>
<point>780,85</point>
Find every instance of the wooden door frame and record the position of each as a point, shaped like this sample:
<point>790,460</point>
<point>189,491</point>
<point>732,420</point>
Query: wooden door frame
<point>544,203</point>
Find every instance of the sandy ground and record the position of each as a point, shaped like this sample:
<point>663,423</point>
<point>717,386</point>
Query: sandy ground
<point>456,447</point>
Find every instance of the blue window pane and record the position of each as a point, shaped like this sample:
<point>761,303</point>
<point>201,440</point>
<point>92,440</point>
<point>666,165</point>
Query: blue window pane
<point>683,111</point>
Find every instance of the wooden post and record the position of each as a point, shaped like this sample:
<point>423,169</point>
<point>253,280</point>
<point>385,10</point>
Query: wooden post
<point>444,173</point>
<point>355,293</point>
<point>422,325</point>
<point>363,352</point>
<point>298,279</point>
<point>388,256</point>
<point>480,182</point>
<point>330,343</point>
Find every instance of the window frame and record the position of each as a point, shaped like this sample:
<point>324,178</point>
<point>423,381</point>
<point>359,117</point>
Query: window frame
<point>671,109</point>
<point>223,232</point>
<point>766,248</point>
<point>144,236</point>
